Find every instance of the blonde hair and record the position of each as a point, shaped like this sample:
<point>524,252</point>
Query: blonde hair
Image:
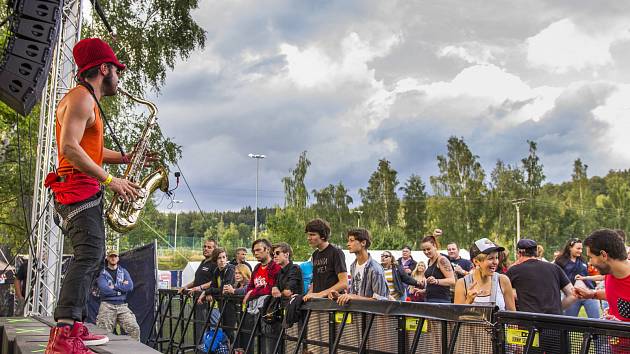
<point>244,270</point>
<point>416,274</point>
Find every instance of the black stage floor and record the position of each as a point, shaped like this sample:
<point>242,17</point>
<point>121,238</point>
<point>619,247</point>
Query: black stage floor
<point>29,335</point>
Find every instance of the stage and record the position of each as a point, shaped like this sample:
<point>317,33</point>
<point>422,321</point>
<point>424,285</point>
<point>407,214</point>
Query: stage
<point>29,335</point>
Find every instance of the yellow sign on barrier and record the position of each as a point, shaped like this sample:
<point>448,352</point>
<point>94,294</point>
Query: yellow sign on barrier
<point>411,324</point>
<point>339,317</point>
<point>519,337</point>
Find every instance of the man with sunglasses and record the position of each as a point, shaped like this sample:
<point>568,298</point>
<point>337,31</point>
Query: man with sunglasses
<point>290,276</point>
<point>289,283</point>
<point>114,284</point>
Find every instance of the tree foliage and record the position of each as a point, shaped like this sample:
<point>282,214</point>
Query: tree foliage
<point>414,207</point>
<point>380,201</point>
<point>151,36</point>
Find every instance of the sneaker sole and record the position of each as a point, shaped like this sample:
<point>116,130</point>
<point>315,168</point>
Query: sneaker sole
<point>96,341</point>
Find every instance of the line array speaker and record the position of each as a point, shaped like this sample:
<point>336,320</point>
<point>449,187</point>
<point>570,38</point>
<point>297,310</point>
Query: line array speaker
<point>27,57</point>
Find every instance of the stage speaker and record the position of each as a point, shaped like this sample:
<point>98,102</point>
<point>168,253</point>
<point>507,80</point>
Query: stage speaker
<point>27,57</point>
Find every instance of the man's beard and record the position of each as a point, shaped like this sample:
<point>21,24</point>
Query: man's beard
<point>603,269</point>
<point>108,87</point>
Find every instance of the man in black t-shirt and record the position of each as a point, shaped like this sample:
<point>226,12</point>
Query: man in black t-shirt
<point>329,263</point>
<point>205,271</point>
<point>461,266</point>
<point>537,283</point>
<point>202,281</point>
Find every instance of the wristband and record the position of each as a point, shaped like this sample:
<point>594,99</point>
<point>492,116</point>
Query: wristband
<point>107,180</point>
<point>124,159</point>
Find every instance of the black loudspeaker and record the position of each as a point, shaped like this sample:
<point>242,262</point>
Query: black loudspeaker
<point>28,54</point>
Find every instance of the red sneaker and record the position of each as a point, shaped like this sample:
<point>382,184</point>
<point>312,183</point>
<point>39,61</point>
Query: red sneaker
<point>82,332</point>
<point>62,342</point>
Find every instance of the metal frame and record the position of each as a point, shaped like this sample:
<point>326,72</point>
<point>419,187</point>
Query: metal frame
<point>534,323</point>
<point>44,275</point>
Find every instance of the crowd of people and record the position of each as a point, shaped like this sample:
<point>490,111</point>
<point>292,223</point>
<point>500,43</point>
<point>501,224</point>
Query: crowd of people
<point>601,284</point>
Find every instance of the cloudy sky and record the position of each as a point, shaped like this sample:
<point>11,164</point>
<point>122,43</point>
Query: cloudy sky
<point>355,81</point>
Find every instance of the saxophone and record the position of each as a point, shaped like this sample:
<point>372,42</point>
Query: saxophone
<point>121,216</point>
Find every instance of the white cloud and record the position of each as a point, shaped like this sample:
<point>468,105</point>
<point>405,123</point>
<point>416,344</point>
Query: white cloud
<point>564,46</point>
<point>355,81</point>
<point>472,53</point>
<point>616,111</point>
<point>312,67</point>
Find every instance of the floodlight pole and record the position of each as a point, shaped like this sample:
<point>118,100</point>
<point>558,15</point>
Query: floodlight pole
<point>258,157</point>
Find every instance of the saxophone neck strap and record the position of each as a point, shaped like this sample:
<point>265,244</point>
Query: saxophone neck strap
<point>111,131</point>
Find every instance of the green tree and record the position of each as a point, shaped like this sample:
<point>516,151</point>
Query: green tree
<point>286,226</point>
<point>332,204</point>
<point>461,180</point>
<point>534,175</point>
<point>580,197</point>
<point>296,194</point>
<point>414,207</point>
<point>380,201</point>
<point>507,183</point>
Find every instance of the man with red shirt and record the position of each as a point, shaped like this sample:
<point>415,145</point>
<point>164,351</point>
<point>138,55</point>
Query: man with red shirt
<point>608,254</point>
<point>261,283</point>
<point>265,273</point>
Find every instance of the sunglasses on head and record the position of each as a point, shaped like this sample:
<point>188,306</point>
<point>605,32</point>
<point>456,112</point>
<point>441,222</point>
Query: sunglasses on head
<point>574,241</point>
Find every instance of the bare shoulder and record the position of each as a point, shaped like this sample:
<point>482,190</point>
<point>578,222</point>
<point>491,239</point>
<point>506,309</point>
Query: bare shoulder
<point>77,107</point>
<point>504,280</point>
<point>444,262</point>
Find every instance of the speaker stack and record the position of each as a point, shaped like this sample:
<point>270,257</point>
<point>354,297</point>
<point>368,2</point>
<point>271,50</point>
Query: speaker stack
<point>28,53</point>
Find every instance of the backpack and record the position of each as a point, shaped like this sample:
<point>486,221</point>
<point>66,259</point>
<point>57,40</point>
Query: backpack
<point>218,340</point>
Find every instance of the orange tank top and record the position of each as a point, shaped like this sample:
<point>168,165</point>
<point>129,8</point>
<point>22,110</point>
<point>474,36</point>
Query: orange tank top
<point>92,141</point>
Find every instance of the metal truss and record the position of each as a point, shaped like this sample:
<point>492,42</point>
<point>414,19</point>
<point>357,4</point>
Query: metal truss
<point>44,276</point>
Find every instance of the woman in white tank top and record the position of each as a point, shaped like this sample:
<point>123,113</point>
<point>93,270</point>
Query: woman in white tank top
<point>484,285</point>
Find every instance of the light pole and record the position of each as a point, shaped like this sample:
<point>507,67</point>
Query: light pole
<point>517,203</point>
<point>258,157</point>
<point>359,212</point>
<point>176,213</point>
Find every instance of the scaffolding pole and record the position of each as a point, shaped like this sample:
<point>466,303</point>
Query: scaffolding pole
<point>45,255</point>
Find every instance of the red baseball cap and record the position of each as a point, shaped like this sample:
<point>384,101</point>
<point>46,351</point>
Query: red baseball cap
<point>90,52</point>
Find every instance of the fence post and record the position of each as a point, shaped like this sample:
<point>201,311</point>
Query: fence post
<point>444,336</point>
<point>402,335</point>
<point>331,330</point>
<point>366,331</point>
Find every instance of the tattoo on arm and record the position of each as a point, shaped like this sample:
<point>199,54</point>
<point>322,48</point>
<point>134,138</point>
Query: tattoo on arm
<point>445,265</point>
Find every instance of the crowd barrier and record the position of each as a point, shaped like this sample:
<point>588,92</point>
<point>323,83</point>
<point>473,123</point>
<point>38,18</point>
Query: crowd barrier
<point>532,333</point>
<point>379,327</point>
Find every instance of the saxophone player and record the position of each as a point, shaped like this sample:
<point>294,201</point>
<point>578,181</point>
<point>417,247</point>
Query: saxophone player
<point>78,186</point>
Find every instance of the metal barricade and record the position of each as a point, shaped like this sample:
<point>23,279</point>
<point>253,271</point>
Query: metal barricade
<point>379,327</point>
<point>530,333</point>
<point>364,326</point>
<point>359,327</point>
